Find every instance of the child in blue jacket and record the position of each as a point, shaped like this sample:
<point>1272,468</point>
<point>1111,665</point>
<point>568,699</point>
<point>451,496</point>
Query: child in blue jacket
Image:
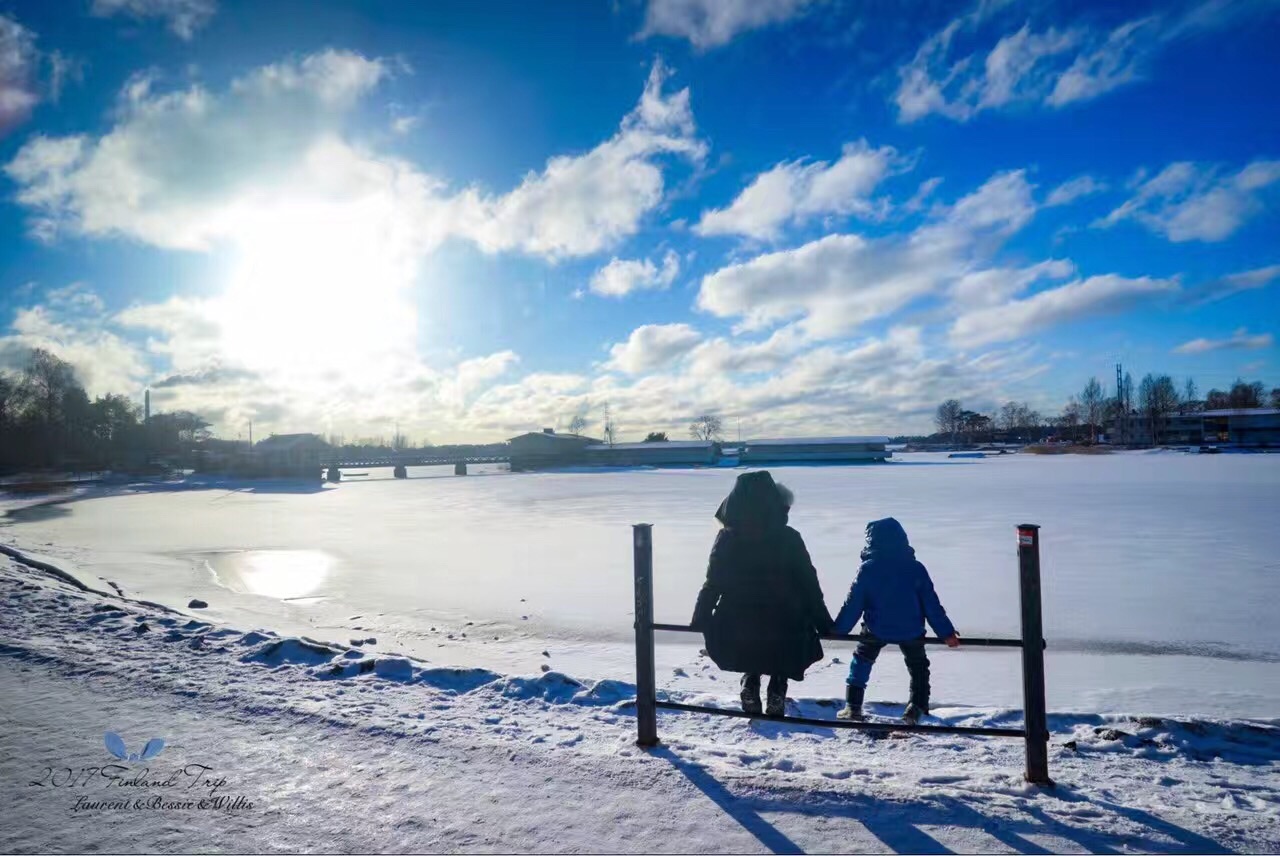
<point>894,593</point>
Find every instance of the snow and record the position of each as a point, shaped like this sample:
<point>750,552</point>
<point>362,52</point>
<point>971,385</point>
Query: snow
<point>426,757</point>
<point>1159,570</point>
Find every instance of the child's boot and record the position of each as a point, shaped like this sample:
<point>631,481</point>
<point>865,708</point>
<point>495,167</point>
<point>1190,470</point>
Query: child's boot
<point>913,713</point>
<point>852,703</point>
<point>750,694</point>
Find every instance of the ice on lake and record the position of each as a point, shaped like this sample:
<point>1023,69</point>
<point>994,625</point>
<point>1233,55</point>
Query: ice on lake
<point>1160,571</point>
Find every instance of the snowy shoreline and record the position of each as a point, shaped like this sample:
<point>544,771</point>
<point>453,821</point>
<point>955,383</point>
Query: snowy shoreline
<point>1125,782</point>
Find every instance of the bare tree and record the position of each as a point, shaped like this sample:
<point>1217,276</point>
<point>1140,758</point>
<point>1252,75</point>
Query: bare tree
<point>947,418</point>
<point>656,437</point>
<point>1072,414</point>
<point>1191,396</point>
<point>708,426</point>
<point>1157,398</point>
<point>1275,398</point>
<point>1246,395</point>
<point>1092,403</point>
<point>578,424</point>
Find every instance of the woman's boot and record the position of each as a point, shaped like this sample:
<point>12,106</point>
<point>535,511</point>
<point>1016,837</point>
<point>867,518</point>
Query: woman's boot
<point>852,703</point>
<point>750,694</point>
<point>776,703</point>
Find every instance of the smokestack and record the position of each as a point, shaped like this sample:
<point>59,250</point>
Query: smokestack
<point>146,407</point>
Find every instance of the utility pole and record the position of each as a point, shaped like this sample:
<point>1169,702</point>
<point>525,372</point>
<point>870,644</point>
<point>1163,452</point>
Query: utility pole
<point>1121,404</point>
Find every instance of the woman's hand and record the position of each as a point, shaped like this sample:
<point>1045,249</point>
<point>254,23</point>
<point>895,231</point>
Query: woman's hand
<point>953,641</point>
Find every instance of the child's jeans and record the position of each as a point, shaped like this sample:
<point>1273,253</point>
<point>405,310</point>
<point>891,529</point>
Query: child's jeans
<point>864,657</point>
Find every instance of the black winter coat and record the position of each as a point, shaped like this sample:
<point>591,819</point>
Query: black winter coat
<point>761,609</point>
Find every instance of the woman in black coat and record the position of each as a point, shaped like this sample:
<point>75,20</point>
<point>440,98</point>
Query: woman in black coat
<point>761,608</point>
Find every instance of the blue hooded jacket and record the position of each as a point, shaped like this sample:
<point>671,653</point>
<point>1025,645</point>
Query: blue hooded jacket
<point>892,589</point>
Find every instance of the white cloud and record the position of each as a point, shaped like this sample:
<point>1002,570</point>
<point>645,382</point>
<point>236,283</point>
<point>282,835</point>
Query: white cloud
<point>1049,66</point>
<point>994,286</point>
<point>403,125</point>
<point>1240,340</point>
<point>18,58</point>
<point>621,277</point>
<point>1076,188</point>
<point>1235,283</point>
<point>1085,298</point>
<point>652,346</point>
<point>70,327</point>
<point>1190,202</point>
<point>582,204</point>
<point>178,168</point>
<point>711,23</point>
<point>184,17</point>
<point>839,282</point>
<point>191,168</point>
<point>796,191</point>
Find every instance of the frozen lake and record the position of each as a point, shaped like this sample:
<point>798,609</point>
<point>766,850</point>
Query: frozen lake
<point>1161,570</point>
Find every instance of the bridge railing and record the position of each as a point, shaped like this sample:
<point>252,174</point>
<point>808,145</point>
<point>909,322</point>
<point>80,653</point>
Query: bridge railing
<point>1035,730</point>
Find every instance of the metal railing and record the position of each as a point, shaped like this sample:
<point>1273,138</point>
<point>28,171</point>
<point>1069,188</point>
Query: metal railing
<point>1035,730</point>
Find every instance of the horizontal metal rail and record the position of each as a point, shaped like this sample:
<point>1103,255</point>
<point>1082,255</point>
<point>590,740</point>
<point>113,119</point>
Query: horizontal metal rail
<point>848,723</point>
<point>977,642</point>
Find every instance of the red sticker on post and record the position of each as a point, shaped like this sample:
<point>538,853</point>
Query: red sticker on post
<point>1025,537</point>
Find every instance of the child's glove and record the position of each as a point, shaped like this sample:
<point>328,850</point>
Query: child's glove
<point>953,641</point>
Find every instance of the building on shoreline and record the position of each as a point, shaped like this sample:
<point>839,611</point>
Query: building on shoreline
<point>288,456</point>
<point>543,449</point>
<point>1252,427</point>
<point>814,449</point>
<point>662,454</point>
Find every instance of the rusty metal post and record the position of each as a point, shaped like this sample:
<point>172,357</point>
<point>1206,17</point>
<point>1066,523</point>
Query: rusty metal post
<point>1033,700</point>
<point>646,681</point>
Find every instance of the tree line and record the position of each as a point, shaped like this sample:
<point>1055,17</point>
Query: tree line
<point>48,420</point>
<point>1085,415</point>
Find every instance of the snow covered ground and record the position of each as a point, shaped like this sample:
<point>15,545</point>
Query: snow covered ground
<point>276,743</point>
<point>492,709</point>
<point>1160,570</point>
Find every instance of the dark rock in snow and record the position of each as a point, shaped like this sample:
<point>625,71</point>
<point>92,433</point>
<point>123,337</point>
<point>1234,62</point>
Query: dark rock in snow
<point>546,653</point>
<point>196,603</point>
<point>142,627</point>
<point>1111,733</point>
<point>545,667</point>
<point>1072,745</point>
<point>1150,722</point>
<point>371,640</point>
<point>357,642</point>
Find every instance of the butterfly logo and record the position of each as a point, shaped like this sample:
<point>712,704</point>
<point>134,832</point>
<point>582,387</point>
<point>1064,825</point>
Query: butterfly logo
<point>115,745</point>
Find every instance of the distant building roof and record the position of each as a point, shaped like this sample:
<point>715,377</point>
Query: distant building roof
<point>1239,411</point>
<point>656,445</point>
<point>816,441</point>
<point>548,435</point>
<point>285,441</point>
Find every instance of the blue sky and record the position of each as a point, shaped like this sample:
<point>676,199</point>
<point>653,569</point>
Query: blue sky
<point>817,217</point>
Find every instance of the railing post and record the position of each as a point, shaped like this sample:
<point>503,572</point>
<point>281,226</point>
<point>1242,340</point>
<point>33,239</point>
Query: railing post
<point>646,682</point>
<point>1033,703</point>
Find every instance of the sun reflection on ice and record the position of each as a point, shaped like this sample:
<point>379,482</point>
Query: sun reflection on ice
<point>281,574</point>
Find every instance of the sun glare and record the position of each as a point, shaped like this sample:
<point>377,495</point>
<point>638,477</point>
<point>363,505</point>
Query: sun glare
<point>317,291</point>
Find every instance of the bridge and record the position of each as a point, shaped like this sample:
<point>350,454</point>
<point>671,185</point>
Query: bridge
<point>401,461</point>
<point>409,459</point>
